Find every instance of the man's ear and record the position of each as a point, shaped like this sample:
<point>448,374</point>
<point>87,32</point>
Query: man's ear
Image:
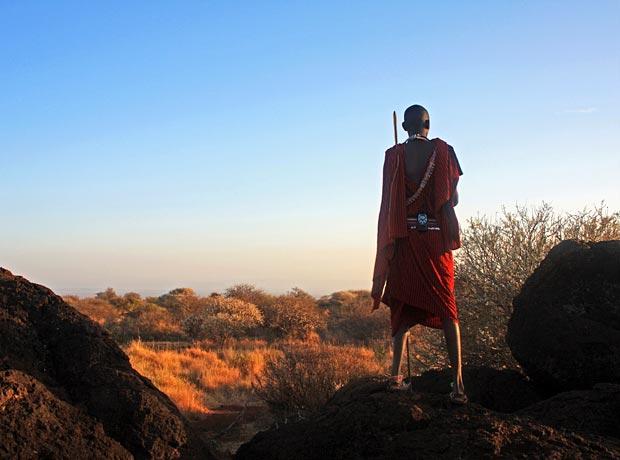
<point>403,125</point>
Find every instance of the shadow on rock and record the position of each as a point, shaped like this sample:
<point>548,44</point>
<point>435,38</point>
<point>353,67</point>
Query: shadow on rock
<point>504,390</point>
<point>592,411</point>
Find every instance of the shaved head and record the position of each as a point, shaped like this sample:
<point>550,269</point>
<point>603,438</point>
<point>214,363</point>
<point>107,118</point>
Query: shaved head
<point>417,120</point>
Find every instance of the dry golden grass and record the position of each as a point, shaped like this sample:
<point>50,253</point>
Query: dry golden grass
<point>167,372</point>
<point>196,378</point>
<point>206,375</point>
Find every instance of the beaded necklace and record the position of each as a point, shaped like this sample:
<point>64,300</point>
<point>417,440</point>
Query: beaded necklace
<point>427,174</point>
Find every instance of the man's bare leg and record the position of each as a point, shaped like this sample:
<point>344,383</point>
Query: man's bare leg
<point>397,347</point>
<point>452,333</point>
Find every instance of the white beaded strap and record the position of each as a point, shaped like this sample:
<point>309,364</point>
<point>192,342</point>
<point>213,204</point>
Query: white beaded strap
<point>427,176</point>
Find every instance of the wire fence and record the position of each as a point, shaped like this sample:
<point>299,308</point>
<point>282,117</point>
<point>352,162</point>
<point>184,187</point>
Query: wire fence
<point>161,345</point>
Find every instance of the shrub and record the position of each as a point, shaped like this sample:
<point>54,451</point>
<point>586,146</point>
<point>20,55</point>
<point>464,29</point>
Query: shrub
<point>303,378</point>
<point>124,303</point>
<point>221,318</point>
<point>250,293</point>
<point>499,254</point>
<point>294,314</point>
<point>129,301</point>
<point>146,322</point>
<point>351,318</point>
<point>180,302</point>
<point>97,309</point>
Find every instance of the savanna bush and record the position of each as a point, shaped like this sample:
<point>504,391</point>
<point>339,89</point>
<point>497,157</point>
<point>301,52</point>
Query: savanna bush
<point>351,318</point>
<point>303,378</point>
<point>99,310</point>
<point>124,303</point>
<point>180,302</point>
<point>499,254</point>
<point>146,322</point>
<point>221,318</point>
<point>293,315</point>
<point>250,293</point>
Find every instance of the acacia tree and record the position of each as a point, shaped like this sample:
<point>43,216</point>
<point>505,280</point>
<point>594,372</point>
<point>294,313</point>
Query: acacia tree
<point>108,295</point>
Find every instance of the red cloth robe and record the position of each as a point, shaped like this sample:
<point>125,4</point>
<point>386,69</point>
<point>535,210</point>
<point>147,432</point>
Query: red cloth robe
<point>416,269</point>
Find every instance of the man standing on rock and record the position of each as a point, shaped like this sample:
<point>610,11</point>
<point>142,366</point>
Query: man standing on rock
<point>417,231</point>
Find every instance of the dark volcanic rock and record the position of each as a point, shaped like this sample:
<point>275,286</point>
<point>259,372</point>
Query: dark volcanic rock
<point>34,423</point>
<point>364,421</point>
<point>593,411</point>
<point>78,383</point>
<point>504,390</point>
<point>565,326</point>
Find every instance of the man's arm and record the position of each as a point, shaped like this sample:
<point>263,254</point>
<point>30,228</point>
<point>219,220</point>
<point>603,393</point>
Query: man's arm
<point>455,198</point>
<point>456,160</point>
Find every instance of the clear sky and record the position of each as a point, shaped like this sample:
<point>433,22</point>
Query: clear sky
<point>149,145</point>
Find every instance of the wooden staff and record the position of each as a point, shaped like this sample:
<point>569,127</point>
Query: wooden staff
<point>395,128</point>
<point>408,365</point>
<point>395,123</point>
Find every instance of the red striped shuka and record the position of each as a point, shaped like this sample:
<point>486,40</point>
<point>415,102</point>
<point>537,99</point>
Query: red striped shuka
<point>417,268</point>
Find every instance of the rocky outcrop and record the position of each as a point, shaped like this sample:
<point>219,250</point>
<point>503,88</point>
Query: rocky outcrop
<point>66,387</point>
<point>592,411</point>
<point>34,423</point>
<point>364,420</point>
<point>504,390</point>
<point>565,333</point>
<point>565,327</point>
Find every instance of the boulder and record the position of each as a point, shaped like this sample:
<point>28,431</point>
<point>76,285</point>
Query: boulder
<point>66,386</point>
<point>34,423</point>
<point>502,390</point>
<point>592,411</point>
<point>364,420</point>
<point>565,325</point>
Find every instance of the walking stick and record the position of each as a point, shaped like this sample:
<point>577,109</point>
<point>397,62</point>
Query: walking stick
<point>395,129</point>
<point>408,361</point>
<point>395,123</point>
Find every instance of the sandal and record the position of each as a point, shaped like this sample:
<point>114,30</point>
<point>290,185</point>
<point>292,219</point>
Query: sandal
<point>397,383</point>
<point>456,397</point>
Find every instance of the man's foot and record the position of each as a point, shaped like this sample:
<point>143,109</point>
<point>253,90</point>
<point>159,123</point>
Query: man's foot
<point>397,383</point>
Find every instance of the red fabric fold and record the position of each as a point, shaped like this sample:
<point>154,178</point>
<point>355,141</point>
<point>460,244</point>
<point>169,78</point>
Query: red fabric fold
<point>392,218</point>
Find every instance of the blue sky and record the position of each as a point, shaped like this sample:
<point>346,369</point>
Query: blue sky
<point>151,145</point>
